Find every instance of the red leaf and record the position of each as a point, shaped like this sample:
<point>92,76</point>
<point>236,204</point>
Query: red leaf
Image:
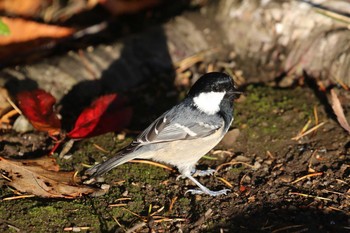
<point>37,106</point>
<point>106,114</point>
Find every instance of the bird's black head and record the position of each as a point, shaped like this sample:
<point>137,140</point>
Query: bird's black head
<point>215,82</point>
<point>213,93</point>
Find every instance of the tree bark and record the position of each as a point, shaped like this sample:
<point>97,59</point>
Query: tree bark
<point>263,39</point>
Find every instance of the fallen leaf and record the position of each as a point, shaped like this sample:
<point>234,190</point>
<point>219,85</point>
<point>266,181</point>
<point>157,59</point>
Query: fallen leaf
<point>106,114</point>
<point>25,30</point>
<point>37,107</point>
<point>4,29</point>
<point>5,106</point>
<point>46,10</point>
<point>28,35</point>
<point>22,7</point>
<point>42,178</point>
<point>339,112</point>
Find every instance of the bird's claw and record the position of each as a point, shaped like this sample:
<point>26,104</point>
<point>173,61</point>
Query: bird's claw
<point>209,192</point>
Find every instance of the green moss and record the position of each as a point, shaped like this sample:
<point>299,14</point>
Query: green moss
<point>266,105</point>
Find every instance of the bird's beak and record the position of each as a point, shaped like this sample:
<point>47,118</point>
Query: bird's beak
<point>236,94</point>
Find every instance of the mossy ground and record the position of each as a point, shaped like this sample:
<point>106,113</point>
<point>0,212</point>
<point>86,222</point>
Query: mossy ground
<point>260,201</point>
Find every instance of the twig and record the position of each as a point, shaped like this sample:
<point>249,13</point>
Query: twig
<point>173,200</point>
<point>337,209</point>
<point>14,105</point>
<point>66,148</point>
<point>159,219</point>
<point>271,156</point>
<point>136,227</point>
<point>118,223</point>
<point>124,199</point>
<point>157,211</point>
<point>309,131</point>
<point>13,228</point>
<point>307,176</point>
<point>334,15</point>
<point>233,163</point>
<point>6,178</point>
<point>76,229</point>
<point>310,161</point>
<point>316,115</point>
<point>100,148</point>
<point>118,205</point>
<point>308,195</point>
<point>341,83</point>
<point>152,163</point>
<point>225,182</point>
<point>133,213</point>
<point>286,228</point>
<point>338,193</point>
<point>17,197</point>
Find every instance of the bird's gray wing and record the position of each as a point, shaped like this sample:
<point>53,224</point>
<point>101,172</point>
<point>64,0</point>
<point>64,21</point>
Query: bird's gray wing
<point>168,128</point>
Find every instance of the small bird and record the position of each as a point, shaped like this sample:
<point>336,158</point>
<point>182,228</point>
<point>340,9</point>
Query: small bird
<point>186,132</point>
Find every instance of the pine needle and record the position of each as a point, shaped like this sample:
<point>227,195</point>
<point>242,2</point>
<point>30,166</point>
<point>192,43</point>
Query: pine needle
<point>152,163</point>
<point>307,176</point>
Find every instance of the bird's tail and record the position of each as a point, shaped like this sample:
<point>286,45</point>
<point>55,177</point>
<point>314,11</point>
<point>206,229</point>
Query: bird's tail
<point>102,168</point>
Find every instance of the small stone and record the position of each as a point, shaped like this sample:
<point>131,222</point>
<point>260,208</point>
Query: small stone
<point>257,165</point>
<point>105,186</point>
<point>241,158</point>
<point>230,138</point>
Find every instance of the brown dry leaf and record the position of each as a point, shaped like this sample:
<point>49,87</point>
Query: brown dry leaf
<point>42,178</point>
<point>47,10</point>
<point>22,7</point>
<point>339,112</point>
<point>5,106</point>
<point>26,35</point>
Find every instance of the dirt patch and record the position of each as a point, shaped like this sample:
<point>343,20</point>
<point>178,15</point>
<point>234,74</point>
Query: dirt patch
<point>267,197</point>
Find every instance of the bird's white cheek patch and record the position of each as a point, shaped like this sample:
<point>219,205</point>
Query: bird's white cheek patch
<point>209,102</point>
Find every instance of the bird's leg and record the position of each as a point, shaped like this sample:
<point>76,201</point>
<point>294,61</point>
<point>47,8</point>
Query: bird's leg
<point>203,189</point>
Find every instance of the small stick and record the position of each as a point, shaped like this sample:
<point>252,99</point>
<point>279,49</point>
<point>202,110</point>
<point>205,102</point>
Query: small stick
<point>152,163</point>
<point>225,182</point>
<point>100,148</point>
<point>307,176</point>
<point>76,229</point>
<point>309,131</point>
<point>232,163</point>
<point>307,195</point>
<point>17,197</point>
<point>173,200</point>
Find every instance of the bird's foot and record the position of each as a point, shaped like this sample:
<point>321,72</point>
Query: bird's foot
<point>209,192</point>
<point>180,177</point>
<point>208,172</point>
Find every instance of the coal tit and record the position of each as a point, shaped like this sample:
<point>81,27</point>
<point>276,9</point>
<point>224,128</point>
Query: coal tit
<point>182,135</point>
